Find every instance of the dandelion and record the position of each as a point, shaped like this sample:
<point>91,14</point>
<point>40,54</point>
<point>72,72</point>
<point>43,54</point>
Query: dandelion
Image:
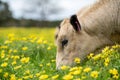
<point>116,46</point>
<point>76,72</point>
<point>45,42</point>
<point>17,67</point>
<point>7,42</point>
<point>98,56</point>
<point>1,70</point>
<point>37,74</point>
<point>39,41</point>
<point>87,69</point>
<point>27,72</point>
<point>41,65</point>
<point>26,77</point>
<point>90,55</point>
<point>31,76</point>
<point>15,51</point>
<point>43,77</point>
<point>64,67</point>
<point>12,77</point>
<point>25,59</point>
<point>14,62</point>
<point>48,64</point>
<point>105,49</point>
<point>94,74</point>
<point>113,71</point>
<point>77,60</point>
<point>15,57</point>
<point>53,60</point>
<point>6,74</point>
<point>24,48</point>
<point>20,79</point>
<point>78,79</point>
<point>2,55</point>
<point>107,60</point>
<point>55,77</point>
<point>4,64</point>
<point>49,48</point>
<point>68,77</point>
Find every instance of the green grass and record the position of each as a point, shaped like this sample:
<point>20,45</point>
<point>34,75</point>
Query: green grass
<point>29,54</point>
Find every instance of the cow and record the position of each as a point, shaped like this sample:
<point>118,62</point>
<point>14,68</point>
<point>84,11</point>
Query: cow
<point>92,28</point>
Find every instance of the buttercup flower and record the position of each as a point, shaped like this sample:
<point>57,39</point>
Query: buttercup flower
<point>94,74</point>
<point>68,77</point>
<point>4,64</point>
<point>87,69</point>
<point>24,48</point>
<point>77,60</point>
<point>25,59</point>
<point>43,77</point>
<point>55,77</point>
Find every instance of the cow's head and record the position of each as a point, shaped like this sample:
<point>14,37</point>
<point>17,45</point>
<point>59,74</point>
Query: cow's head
<point>73,41</point>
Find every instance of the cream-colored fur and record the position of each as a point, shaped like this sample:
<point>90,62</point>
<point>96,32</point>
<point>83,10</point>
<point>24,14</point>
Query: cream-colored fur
<point>100,26</point>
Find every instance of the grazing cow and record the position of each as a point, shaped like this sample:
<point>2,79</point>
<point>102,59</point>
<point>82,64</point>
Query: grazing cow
<point>92,28</point>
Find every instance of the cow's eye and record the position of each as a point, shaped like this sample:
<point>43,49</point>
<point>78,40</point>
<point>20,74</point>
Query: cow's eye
<point>64,42</point>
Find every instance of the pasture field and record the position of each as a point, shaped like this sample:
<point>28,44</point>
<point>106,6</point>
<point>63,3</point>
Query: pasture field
<point>29,54</point>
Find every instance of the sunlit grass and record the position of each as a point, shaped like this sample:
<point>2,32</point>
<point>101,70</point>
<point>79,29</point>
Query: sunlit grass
<point>29,54</point>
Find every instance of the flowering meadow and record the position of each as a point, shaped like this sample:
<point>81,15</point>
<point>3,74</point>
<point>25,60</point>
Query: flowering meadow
<point>29,54</point>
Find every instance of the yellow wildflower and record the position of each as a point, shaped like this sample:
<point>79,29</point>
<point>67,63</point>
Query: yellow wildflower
<point>41,65</point>
<point>94,74</point>
<point>39,41</point>
<point>14,62</point>
<point>37,74</point>
<point>16,57</point>
<point>77,60</point>
<point>4,64</point>
<point>49,48</point>
<point>27,72</point>
<point>2,55</point>
<point>12,77</point>
<point>15,51</point>
<point>7,42</point>
<point>55,77</point>
<point>1,70</point>
<point>116,46</point>
<point>68,77</point>
<point>90,55</point>
<point>98,56</point>
<point>17,67</point>
<point>87,69</point>
<point>20,79</point>
<point>116,76</point>
<point>78,79</point>
<point>76,72</point>
<point>26,77</point>
<point>24,48</point>
<point>64,67</point>
<point>31,76</point>
<point>6,74</point>
<point>45,42</point>
<point>48,64</point>
<point>43,77</point>
<point>113,71</point>
<point>25,59</point>
<point>53,60</point>
<point>105,49</point>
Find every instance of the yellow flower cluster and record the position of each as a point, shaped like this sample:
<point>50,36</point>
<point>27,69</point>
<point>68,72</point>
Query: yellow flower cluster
<point>31,57</point>
<point>114,72</point>
<point>25,59</point>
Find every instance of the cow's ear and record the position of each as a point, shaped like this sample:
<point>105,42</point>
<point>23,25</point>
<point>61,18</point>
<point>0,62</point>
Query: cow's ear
<point>75,23</point>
